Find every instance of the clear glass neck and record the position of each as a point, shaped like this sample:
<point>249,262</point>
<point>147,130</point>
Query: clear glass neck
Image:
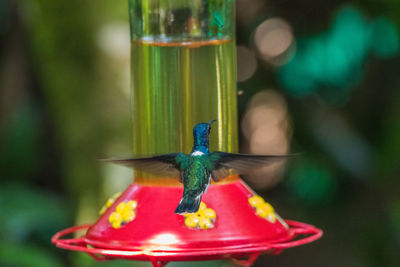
<point>171,21</point>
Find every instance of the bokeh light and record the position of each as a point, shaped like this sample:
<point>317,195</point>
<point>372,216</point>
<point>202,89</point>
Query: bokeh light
<point>273,39</point>
<point>249,9</point>
<point>266,129</point>
<point>246,63</point>
<point>113,39</point>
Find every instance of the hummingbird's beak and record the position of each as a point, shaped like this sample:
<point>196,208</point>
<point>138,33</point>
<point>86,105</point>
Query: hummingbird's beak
<point>211,121</point>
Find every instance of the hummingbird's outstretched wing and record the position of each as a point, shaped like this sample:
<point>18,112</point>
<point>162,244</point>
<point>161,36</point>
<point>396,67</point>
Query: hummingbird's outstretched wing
<point>222,162</point>
<point>163,165</point>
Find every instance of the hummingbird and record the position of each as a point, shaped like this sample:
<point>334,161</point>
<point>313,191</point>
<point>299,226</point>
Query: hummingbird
<point>196,169</point>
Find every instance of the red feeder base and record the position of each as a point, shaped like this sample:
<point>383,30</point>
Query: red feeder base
<point>155,233</point>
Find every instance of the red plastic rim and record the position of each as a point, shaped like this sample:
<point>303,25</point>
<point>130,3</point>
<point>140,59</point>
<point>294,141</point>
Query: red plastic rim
<point>301,233</point>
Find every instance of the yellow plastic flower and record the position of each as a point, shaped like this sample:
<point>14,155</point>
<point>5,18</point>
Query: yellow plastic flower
<point>131,204</point>
<point>115,219</point>
<point>204,218</point>
<point>192,220</point>
<point>262,208</point>
<point>125,212</point>
<point>128,215</point>
<point>202,206</point>
<point>256,200</point>
<point>208,213</point>
<point>205,223</point>
<point>109,202</point>
<point>121,207</point>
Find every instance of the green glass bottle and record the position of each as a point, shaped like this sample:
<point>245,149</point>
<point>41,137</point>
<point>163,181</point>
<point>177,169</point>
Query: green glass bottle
<point>183,73</point>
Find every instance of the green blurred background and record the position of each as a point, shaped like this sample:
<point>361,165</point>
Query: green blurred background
<point>320,77</point>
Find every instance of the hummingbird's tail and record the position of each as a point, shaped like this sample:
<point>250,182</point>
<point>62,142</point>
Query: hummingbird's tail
<point>188,205</point>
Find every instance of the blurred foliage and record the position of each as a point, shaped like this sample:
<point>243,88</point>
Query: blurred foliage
<point>334,59</point>
<point>64,90</point>
<point>26,225</point>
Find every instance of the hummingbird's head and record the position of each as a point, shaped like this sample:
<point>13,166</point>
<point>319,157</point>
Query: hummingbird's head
<point>201,133</point>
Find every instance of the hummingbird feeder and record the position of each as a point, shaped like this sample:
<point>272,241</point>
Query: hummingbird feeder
<point>184,72</point>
